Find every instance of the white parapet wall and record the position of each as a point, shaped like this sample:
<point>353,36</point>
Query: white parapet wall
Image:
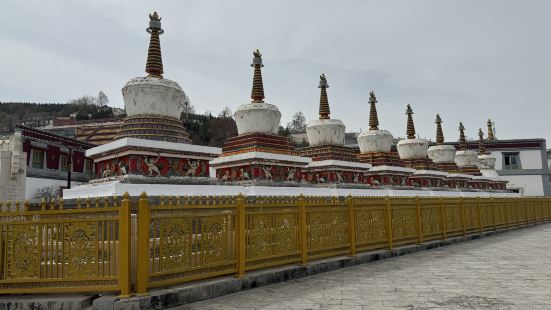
<point>118,188</point>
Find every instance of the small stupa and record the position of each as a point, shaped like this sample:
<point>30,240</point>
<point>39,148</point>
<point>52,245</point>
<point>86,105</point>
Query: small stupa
<point>441,154</point>
<point>258,152</point>
<point>486,162</point>
<point>375,148</point>
<point>466,159</point>
<point>375,144</point>
<point>413,151</point>
<point>332,161</point>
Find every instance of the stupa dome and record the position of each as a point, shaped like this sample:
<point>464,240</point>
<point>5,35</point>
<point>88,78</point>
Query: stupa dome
<point>257,116</point>
<point>153,96</point>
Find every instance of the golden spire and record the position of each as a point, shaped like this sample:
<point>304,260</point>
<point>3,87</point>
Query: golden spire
<point>462,141</point>
<point>410,132</point>
<point>257,94</point>
<point>154,65</point>
<point>373,119</point>
<point>324,102</point>
<point>490,130</point>
<point>439,133</point>
<point>481,144</point>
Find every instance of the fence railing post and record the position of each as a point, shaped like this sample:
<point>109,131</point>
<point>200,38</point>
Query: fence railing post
<point>389,222</point>
<point>241,236</point>
<point>480,225</point>
<point>124,247</point>
<point>143,256</point>
<point>443,219</point>
<point>493,212</point>
<point>303,230</point>
<point>464,220</point>
<point>419,224</point>
<point>351,225</point>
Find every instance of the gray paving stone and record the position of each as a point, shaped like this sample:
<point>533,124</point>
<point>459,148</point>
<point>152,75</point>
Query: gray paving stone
<point>502,271</point>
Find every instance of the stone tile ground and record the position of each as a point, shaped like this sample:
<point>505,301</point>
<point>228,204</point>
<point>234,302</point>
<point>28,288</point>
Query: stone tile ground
<point>504,271</point>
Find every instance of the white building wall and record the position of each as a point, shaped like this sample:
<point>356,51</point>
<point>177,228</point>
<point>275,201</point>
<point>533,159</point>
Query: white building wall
<point>531,185</point>
<point>529,159</point>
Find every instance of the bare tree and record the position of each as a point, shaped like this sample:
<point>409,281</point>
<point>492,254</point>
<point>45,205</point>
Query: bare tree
<point>48,193</point>
<point>102,99</point>
<point>226,113</point>
<point>298,123</point>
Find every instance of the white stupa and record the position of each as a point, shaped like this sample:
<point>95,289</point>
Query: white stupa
<point>466,159</point>
<point>412,147</point>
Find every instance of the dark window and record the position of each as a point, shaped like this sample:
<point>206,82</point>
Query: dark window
<point>38,159</point>
<point>511,161</point>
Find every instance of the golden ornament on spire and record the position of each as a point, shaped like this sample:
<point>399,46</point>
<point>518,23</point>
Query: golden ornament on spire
<point>373,119</point>
<point>410,132</point>
<point>257,94</point>
<point>439,133</point>
<point>324,102</point>
<point>491,136</point>
<point>462,141</point>
<point>154,65</point>
<point>481,144</point>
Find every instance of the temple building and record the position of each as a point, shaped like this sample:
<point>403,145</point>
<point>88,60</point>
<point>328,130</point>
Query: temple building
<point>258,153</point>
<point>33,161</point>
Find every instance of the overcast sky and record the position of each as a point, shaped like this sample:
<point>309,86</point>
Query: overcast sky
<point>467,60</point>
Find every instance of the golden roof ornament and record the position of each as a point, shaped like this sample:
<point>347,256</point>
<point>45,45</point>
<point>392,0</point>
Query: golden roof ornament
<point>490,125</point>
<point>410,132</point>
<point>324,102</point>
<point>462,141</point>
<point>257,94</point>
<point>154,65</point>
<point>373,119</point>
<point>481,144</point>
<point>439,132</point>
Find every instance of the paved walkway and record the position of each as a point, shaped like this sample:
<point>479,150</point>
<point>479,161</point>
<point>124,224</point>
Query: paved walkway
<point>505,271</point>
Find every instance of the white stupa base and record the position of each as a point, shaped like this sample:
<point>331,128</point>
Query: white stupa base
<point>134,190</point>
<point>257,117</point>
<point>466,158</point>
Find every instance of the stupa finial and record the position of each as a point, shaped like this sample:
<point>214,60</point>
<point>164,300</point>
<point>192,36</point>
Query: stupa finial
<point>462,141</point>
<point>490,125</point>
<point>257,94</point>
<point>481,144</point>
<point>154,65</point>
<point>324,102</point>
<point>410,132</point>
<point>373,119</point>
<point>439,132</point>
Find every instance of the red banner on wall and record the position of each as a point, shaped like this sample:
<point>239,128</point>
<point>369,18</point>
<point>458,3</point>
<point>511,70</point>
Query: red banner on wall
<point>52,160</point>
<point>78,161</point>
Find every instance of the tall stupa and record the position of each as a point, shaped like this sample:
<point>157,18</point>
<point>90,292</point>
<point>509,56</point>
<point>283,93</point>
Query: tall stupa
<point>153,142</point>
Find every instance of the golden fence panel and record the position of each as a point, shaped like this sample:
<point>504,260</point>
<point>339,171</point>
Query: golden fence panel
<point>327,228</point>
<point>185,240</point>
<point>52,249</point>
<point>272,232</point>
<point>431,219</point>
<point>404,221</point>
<point>370,222</point>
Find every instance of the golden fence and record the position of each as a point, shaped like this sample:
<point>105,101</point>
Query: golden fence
<point>92,245</point>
